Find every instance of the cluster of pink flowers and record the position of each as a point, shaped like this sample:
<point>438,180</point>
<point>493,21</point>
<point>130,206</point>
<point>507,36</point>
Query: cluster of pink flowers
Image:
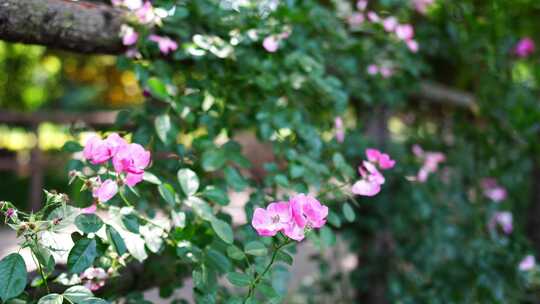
<point>528,263</point>
<point>371,178</point>
<point>421,6</point>
<point>493,190</point>
<point>404,32</point>
<point>525,47</point>
<point>340,129</point>
<point>148,15</point>
<point>293,218</point>
<point>502,219</point>
<point>384,70</point>
<point>94,278</point>
<point>271,43</point>
<point>127,159</point>
<point>431,161</point>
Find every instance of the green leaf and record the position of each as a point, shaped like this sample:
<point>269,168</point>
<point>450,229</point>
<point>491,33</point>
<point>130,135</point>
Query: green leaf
<point>267,290</point>
<point>164,128</point>
<point>217,195</point>
<point>44,257</point>
<point>131,222</point>
<point>94,301</point>
<point>284,257</point>
<point>328,237</point>
<point>348,212</point>
<point>151,178</point>
<point>238,279</point>
<point>157,88</point>
<point>116,240</point>
<point>255,248</point>
<point>65,215</point>
<point>189,182</point>
<point>213,160</point>
<point>235,179</point>
<point>52,298</point>
<point>77,294</point>
<point>167,193</point>
<point>88,223</point>
<point>235,253</point>
<point>219,260</point>
<point>223,230</point>
<point>12,276</point>
<point>82,255</point>
<point>200,207</point>
<point>72,146</point>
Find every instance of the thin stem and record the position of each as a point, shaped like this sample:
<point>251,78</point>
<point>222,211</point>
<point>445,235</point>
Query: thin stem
<point>124,198</point>
<point>40,271</point>
<point>255,282</point>
<point>332,189</point>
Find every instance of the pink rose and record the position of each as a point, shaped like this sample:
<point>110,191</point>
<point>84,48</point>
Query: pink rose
<point>528,263</point>
<point>90,209</point>
<point>146,14</point>
<point>386,71</point>
<point>404,32</point>
<point>271,44</point>
<point>431,161</point>
<point>390,23</point>
<point>308,211</point>
<point>422,5</point>
<point>131,159</point>
<point>361,5</point>
<point>493,190</point>
<point>129,36</point>
<point>373,17</point>
<point>340,129</point>
<point>98,151</point>
<point>105,191</point>
<point>94,278</point>
<point>503,219</point>
<point>412,45</point>
<point>355,19</point>
<point>165,44</point>
<point>372,69</point>
<point>271,220</point>
<point>525,47</point>
<point>382,159</point>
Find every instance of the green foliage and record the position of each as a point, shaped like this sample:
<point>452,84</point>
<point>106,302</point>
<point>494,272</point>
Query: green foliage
<point>13,274</point>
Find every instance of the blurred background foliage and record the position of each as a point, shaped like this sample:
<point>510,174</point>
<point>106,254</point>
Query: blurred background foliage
<point>415,242</point>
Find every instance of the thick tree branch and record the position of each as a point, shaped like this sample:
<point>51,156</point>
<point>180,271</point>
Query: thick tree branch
<point>81,27</point>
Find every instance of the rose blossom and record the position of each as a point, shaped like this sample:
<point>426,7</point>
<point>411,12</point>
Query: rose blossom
<point>370,182</point>
<point>528,263</point>
<point>422,5</point>
<point>271,44</point>
<point>390,23</point>
<point>340,129</point>
<point>105,191</point>
<point>94,278</point>
<point>404,31</point>
<point>525,47</point>
<point>165,44</point>
<point>361,5</point>
<point>128,34</point>
<point>493,190</point>
<point>271,220</point>
<point>98,151</point>
<point>302,212</point>
<point>355,19</point>
<point>382,159</point>
<point>372,69</point>
<point>503,219</point>
<point>131,159</point>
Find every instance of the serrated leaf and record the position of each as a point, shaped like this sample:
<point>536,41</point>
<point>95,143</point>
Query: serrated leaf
<point>77,294</point>
<point>223,230</point>
<point>82,255</point>
<point>189,182</point>
<point>13,276</point>
<point>255,248</point>
<point>238,279</point>
<point>88,223</point>
<point>52,298</point>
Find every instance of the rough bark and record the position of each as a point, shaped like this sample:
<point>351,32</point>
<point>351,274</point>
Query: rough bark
<point>81,27</point>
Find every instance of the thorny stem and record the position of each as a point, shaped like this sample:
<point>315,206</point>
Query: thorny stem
<point>255,282</point>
